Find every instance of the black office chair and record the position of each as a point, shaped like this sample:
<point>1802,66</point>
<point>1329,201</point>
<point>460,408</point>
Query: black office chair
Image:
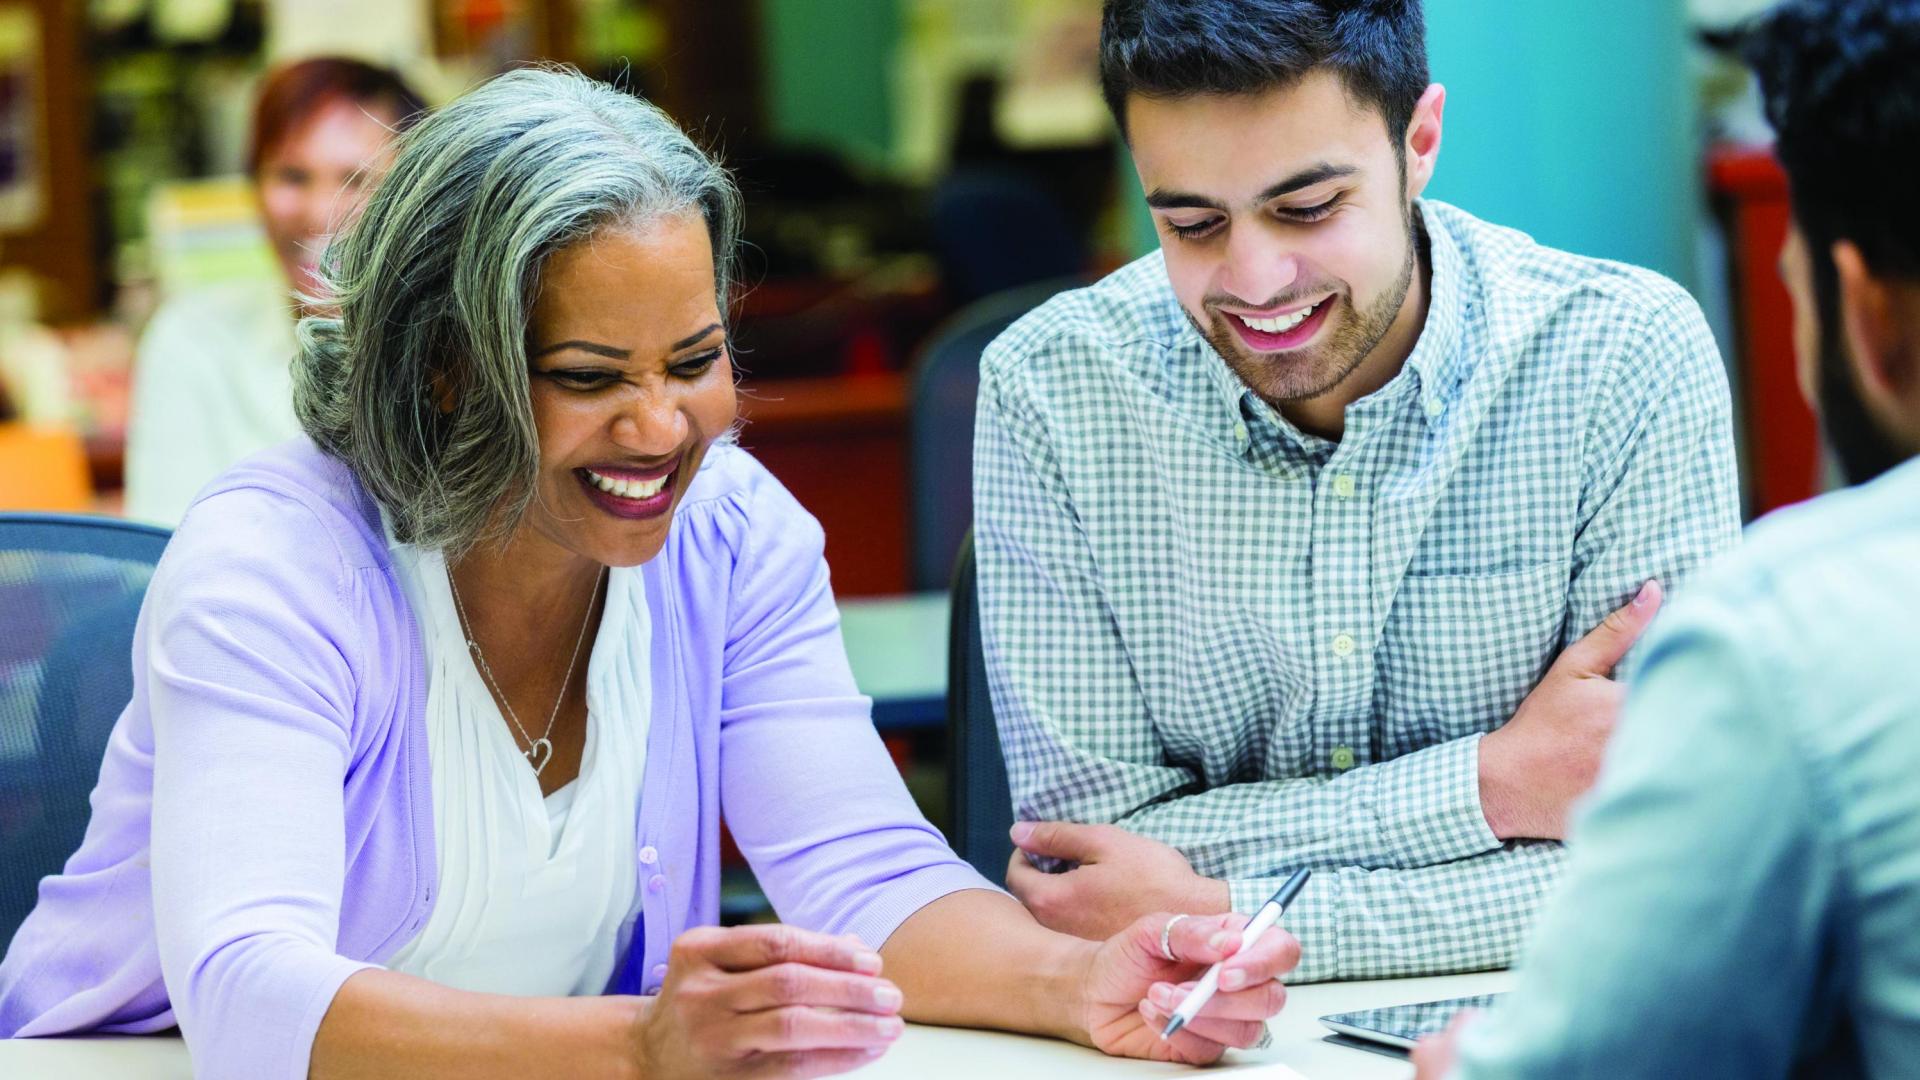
<point>940,426</point>
<point>976,772</point>
<point>70,592</point>
<point>996,228</point>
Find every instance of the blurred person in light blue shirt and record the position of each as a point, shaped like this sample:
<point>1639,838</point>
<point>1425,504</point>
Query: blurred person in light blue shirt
<point>1743,893</point>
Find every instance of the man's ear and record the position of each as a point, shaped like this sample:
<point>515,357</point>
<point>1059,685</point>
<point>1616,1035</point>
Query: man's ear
<point>1422,147</point>
<point>1883,345</point>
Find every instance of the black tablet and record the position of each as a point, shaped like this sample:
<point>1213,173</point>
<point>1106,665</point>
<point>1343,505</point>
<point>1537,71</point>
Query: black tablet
<point>1403,1025</point>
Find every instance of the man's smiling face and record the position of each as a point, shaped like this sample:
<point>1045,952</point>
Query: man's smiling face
<point>1286,221</point>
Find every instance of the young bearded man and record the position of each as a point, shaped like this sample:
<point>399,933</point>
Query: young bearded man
<point>1743,897</point>
<point>1312,539</point>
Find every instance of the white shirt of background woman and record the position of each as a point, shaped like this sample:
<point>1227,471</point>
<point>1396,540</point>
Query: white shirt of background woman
<point>212,383</point>
<point>536,896</point>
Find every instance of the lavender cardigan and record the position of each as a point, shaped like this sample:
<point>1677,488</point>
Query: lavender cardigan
<point>262,827</point>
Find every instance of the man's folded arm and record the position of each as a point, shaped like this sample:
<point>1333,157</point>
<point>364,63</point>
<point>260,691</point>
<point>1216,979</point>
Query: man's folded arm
<point>1420,809</point>
<point>1356,923</point>
<point>1074,726</point>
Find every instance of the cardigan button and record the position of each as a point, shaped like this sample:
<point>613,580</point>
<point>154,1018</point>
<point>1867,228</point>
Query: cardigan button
<point>659,973</point>
<point>656,883</point>
<point>648,856</point>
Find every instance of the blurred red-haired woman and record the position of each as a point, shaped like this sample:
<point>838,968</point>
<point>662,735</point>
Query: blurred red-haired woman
<point>212,382</point>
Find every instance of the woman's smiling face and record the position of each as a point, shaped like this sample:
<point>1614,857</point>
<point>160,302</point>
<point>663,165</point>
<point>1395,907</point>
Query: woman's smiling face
<point>631,382</point>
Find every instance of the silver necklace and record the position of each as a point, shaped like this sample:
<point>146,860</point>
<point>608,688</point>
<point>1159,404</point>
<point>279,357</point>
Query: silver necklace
<point>539,751</point>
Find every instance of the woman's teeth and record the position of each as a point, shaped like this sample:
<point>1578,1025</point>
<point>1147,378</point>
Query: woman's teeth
<point>629,489</point>
<point>1281,324</point>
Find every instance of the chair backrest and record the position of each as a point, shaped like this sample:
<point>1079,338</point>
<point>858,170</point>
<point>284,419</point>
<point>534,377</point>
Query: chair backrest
<point>940,426</point>
<point>997,228</point>
<point>70,592</point>
<point>976,772</point>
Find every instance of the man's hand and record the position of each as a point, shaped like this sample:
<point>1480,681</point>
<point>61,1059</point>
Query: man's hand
<point>1117,877</point>
<point>1436,1055</point>
<point>1532,769</point>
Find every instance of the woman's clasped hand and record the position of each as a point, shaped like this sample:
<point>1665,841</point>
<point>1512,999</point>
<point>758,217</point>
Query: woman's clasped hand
<point>779,1001</point>
<point>753,1001</point>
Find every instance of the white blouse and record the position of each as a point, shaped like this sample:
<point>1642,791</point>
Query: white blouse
<point>536,896</point>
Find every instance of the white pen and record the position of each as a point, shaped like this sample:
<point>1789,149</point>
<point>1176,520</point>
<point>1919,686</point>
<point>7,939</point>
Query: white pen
<point>1263,920</point>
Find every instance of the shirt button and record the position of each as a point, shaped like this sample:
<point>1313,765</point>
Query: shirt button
<point>1343,757</point>
<point>656,883</point>
<point>1343,645</point>
<point>659,972</point>
<point>1240,432</point>
<point>651,989</point>
<point>1434,407</point>
<point>1343,485</point>
<point>648,856</point>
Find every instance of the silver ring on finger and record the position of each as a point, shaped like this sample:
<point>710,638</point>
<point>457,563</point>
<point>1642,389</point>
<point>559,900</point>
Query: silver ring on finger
<point>1166,936</point>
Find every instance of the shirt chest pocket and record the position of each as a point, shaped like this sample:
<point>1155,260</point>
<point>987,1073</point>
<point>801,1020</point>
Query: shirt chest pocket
<point>1459,652</point>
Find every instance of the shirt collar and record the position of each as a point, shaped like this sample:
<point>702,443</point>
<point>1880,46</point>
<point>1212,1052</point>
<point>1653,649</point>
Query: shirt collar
<point>1435,360</point>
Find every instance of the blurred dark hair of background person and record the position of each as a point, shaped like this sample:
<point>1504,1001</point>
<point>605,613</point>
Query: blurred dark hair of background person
<point>317,124</point>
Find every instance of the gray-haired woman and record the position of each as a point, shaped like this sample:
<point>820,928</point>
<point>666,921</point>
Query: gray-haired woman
<point>435,713</point>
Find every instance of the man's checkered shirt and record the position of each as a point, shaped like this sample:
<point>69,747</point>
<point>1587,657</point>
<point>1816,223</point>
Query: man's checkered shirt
<point>1272,651</point>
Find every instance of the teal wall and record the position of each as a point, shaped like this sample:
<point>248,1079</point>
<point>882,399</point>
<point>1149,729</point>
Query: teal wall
<point>1571,120</point>
<point>829,73</point>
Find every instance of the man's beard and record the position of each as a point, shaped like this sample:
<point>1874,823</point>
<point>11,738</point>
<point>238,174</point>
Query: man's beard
<point>1864,449</point>
<point>1301,374</point>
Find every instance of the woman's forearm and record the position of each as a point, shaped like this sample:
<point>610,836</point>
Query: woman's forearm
<point>383,1024</point>
<point>978,959</point>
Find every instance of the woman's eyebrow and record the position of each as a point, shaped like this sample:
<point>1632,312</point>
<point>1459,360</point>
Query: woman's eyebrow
<point>614,352</point>
<point>611,352</point>
<point>693,338</point>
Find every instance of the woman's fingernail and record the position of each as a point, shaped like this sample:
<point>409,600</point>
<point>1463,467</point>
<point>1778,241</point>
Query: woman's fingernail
<point>1160,995</point>
<point>886,997</point>
<point>866,961</point>
<point>1233,980</point>
<point>1020,831</point>
<point>1219,941</point>
<point>889,1026</point>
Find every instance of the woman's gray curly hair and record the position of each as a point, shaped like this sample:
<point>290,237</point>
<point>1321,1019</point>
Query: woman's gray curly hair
<point>418,377</point>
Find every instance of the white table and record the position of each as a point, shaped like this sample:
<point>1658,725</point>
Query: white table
<point>924,1053</point>
<point>897,648</point>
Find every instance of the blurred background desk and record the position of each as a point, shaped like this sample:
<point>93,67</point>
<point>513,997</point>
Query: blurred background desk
<point>924,1053</point>
<point>897,646</point>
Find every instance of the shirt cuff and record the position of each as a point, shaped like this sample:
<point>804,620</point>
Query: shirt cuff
<point>1428,804</point>
<point>875,921</point>
<point>1312,919</point>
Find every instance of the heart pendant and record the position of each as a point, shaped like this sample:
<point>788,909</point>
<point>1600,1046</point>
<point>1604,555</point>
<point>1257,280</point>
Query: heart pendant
<point>539,754</point>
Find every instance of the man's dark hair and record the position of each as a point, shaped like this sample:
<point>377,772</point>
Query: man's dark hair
<point>1841,79</point>
<point>1178,48</point>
